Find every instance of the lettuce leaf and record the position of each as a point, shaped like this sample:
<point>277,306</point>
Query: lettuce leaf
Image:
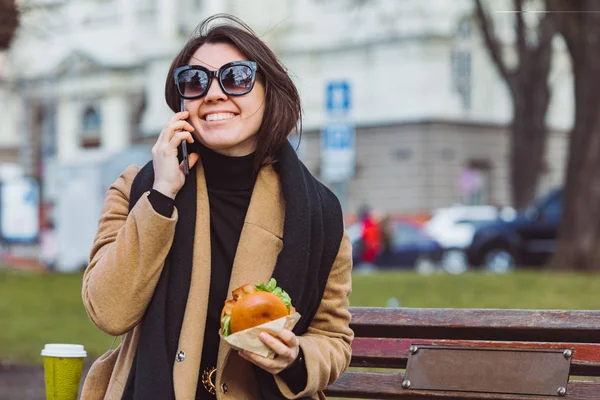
<point>271,287</point>
<point>226,321</point>
<point>267,287</point>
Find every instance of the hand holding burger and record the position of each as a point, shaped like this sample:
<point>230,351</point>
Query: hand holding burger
<point>286,347</point>
<point>254,305</point>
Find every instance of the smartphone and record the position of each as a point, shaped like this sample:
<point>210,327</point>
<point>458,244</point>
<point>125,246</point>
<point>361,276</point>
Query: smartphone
<point>182,150</point>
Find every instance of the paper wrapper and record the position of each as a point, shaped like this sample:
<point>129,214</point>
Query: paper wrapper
<point>248,339</point>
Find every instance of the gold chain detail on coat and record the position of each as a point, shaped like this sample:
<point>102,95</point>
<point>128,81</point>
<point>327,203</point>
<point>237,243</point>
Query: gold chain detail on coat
<point>208,380</point>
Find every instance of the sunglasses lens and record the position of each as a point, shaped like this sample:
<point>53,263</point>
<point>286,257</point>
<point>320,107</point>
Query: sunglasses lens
<point>192,82</point>
<point>237,79</point>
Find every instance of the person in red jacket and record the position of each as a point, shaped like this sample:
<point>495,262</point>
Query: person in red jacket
<point>371,238</point>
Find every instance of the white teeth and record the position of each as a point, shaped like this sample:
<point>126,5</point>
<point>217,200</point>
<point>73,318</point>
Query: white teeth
<point>219,116</point>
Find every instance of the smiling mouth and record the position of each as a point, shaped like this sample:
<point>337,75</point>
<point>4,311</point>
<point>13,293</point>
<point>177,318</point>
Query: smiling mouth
<point>218,117</point>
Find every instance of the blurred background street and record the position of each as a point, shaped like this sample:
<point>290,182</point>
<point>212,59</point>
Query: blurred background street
<point>462,138</point>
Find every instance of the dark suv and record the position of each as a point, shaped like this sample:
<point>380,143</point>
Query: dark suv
<point>528,240</point>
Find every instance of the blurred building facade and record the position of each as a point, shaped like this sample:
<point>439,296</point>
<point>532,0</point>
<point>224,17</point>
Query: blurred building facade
<point>83,82</point>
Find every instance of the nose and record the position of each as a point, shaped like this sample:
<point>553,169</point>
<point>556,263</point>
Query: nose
<point>215,93</point>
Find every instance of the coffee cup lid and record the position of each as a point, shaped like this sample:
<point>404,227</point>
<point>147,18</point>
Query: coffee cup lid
<point>64,350</point>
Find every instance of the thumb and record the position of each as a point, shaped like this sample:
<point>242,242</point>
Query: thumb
<point>193,159</point>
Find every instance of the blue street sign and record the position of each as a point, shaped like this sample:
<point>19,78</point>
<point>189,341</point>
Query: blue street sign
<point>338,97</point>
<point>339,136</point>
<point>338,152</point>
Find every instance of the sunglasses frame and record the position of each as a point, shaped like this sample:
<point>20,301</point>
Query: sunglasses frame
<point>215,74</point>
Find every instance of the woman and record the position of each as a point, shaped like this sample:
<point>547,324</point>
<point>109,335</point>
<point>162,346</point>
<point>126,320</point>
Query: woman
<point>170,247</point>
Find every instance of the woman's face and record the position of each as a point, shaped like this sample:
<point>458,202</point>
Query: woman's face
<point>225,124</point>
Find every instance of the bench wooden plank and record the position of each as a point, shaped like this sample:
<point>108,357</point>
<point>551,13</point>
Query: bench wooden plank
<point>478,324</point>
<point>393,353</point>
<point>384,336</point>
<point>371,385</point>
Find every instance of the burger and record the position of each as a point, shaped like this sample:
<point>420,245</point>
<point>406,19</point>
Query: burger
<point>253,305</point>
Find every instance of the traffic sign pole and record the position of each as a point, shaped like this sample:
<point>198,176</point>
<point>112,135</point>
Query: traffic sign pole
<point>338,142</point>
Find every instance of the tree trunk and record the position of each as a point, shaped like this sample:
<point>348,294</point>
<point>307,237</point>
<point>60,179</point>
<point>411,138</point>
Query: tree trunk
<point>527,157</point>
<point>531,97</point>
<point>579,238</point>
<point>528,85</point>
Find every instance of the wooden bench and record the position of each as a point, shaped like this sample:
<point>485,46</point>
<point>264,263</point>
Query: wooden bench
<point>457,354</point>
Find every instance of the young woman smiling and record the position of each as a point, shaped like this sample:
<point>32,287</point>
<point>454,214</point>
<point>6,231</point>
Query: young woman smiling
<point>171,246</point>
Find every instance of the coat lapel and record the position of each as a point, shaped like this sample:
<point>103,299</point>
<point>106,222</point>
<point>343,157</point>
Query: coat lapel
<point>185,373</point>
<point>260,242</point>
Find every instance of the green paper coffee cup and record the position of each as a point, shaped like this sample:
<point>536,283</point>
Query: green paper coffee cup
<point>63,364</point>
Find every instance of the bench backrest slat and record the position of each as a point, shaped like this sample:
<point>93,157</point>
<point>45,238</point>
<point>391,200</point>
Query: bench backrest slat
<point>393,353</point>
<point>477,324</point>
<point>372,385</point>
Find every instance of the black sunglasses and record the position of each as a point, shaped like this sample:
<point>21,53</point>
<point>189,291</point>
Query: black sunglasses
<point>235,78</point>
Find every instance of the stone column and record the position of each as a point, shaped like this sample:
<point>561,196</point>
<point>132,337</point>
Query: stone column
<point>68,127</point>
<point>116,122</point>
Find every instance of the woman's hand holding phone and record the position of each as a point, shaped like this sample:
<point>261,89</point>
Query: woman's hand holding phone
<point>168,171</point>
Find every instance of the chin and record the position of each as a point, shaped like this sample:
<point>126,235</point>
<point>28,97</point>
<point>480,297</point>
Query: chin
<point>228,146</point>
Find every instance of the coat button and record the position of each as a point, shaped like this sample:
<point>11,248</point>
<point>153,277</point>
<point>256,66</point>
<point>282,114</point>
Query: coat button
<point>180,356</point>
<point>224,387</point>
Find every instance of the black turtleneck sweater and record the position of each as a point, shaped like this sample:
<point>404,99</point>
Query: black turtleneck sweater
<point>229,181</point>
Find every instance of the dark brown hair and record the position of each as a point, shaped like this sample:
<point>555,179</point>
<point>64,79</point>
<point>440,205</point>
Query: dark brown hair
<point>283,112</point>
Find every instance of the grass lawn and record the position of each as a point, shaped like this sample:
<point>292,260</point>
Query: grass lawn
<point>39,308</point>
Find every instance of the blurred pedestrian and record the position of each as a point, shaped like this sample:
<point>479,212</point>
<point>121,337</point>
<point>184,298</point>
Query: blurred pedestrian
<point>249,210</point>
<point>371,237</point>
<point>471,185</point>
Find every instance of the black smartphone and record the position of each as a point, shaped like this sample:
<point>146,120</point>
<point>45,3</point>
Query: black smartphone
<point>182,150</point>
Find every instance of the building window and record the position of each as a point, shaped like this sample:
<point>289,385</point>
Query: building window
<point>92,127</point>
<point>461,63</point>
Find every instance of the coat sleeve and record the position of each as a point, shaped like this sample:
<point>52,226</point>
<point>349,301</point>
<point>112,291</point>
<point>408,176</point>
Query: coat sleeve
<point>326,344</point>
<point>126,259</point>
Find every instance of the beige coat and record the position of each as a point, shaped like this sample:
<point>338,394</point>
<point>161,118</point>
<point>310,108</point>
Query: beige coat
<point>126,262</point>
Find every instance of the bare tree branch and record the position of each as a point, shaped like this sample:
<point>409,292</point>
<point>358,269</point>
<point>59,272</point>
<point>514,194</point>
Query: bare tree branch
<point>9,16</point>
<point>492,42</point>
<point>571,32</point>
<point>546,30</point>
<point>520,30</point>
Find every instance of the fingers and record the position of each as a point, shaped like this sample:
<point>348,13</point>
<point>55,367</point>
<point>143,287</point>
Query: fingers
<point>169,149</point>
<point>179,137</point>
<point>280,348</point>
<point>285,346</point>
<point>192,159</point>
<point>176,123</point>
<point>180,116</point>
<point>289,338</point>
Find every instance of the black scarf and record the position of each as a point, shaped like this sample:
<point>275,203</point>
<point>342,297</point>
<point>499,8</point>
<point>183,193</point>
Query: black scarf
<point>312,234</point>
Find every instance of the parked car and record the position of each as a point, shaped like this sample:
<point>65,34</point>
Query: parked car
<point>453,227</point>
<point>528,240</point>
<point>409,247</point>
